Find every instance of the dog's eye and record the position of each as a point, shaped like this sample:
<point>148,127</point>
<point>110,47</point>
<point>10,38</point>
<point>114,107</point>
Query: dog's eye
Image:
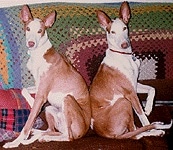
<point>113,32</point>
<point>124,28</point>
<point>27,29</point>
<point>39,31</point>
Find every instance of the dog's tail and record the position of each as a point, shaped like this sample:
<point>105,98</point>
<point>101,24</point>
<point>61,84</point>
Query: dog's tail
<point>135,134</point>
<point>147,131</point>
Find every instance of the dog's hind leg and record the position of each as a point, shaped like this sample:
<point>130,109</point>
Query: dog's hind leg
<point>150,98</point>
<point>69,121</point>
<point>133,98</point>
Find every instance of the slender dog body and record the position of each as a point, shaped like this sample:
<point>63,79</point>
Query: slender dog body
<point>56,81</point>
<point>113,90</point>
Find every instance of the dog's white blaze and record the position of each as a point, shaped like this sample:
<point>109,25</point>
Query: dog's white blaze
<point>57,99</point>
<point>115,98</point>
<point>92,124</point>
<point>32,34</point>
<point>118,36</point>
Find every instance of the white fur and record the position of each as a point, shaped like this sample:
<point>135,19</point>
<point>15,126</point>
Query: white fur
<point>115,98</point>
<point>57,99</point>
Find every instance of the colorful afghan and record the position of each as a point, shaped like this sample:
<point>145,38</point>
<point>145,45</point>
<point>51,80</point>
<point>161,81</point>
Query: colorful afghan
<point>78,35</point>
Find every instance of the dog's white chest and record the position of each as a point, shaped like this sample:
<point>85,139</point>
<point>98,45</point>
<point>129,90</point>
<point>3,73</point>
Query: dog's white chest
<point>37,65</point>
<point>124,63</point>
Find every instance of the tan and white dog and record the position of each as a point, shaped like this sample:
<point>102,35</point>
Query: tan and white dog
<point>69,114</point>
<point>113,90</point>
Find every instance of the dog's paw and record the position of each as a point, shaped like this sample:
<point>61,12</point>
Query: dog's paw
<point>161,125</point>
<point>31,140</point>
<point>157,123</point>
<point>155,132</point>
<point>45,138</point>
<point>11,144</point>
<point>35,135</point>
<point>148,110</point>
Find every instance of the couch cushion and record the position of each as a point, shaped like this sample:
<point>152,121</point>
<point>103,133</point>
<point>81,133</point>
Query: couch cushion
<point>12,99</point>
<point>14,110</point>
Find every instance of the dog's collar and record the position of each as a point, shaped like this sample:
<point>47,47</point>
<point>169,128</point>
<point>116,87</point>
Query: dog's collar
<point>120,52</point>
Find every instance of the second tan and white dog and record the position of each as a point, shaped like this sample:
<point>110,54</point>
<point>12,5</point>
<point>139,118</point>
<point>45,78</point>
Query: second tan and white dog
<point>113,90</point>
<point>69,114</point>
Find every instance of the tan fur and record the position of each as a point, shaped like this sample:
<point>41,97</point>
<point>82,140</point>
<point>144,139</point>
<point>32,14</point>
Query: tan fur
<point>112,121</point>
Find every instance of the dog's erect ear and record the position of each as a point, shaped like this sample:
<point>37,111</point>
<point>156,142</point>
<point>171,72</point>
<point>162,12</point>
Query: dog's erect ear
<point>104,20</point>
<point>49,19</point>
<point>25,14</point>
<point>124,13</point>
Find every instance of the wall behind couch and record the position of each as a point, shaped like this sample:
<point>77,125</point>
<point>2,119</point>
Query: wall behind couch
<point>7,3</point>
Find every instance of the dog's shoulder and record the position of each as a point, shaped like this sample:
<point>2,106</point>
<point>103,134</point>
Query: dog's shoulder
<point>51,55</point>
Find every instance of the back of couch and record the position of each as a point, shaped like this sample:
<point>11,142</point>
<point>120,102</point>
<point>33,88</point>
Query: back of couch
<point>77,34</point>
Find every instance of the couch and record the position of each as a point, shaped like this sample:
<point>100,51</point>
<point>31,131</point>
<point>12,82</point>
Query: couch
<point>77,34</point>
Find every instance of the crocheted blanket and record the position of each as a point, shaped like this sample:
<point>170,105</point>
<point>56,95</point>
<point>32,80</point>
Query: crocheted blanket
<point>77,34</point>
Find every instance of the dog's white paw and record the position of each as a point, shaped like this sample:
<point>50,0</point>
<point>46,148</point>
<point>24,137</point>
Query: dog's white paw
<point>148,110</point>
<point>32,139</point>
<point>161,125</point>
<point>157,123</point>
<point>13,144</point>
<point>45,138</point>
<point>155,132</point>
<point>36,134</point>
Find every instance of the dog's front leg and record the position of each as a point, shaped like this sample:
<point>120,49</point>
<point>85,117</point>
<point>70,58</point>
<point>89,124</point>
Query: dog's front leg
<point>150,98</point>
<point>38,103</point>
<point>133,98</point>
<point>26,92</point>
<point>32,89</point>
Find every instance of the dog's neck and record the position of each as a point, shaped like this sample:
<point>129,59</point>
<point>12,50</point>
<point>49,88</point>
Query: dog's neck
<point>119,52</point>
<point>122,52</point>
<point>43,46</point>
